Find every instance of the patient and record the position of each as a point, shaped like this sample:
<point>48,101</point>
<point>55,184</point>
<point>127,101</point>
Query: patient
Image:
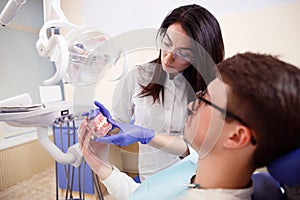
<point>246,122</point>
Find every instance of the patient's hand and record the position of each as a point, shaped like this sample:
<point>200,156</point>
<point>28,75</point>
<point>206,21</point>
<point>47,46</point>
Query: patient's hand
<point>99,121</point>
<point>95,153</point>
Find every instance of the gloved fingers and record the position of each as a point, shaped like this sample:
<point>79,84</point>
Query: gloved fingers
<point>148,136</point>
<point>103,110</point>
<point>145,141</point>
<point>114,123</point>
<point>105,139</point>
<point>85,114</point>
<point>91,114</point>
<point>117,139</point>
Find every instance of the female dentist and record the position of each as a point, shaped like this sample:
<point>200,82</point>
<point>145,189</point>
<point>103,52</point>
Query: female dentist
<point>155,95</point>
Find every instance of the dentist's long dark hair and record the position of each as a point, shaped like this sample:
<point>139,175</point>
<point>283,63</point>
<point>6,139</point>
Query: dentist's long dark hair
<point>203,28</point>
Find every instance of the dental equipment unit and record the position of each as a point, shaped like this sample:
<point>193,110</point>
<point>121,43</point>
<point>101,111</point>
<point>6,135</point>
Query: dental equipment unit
<point>81,58</point>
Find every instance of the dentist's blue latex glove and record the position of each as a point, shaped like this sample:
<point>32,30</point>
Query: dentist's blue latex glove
<point>128,133</point>
<point>94,112</point>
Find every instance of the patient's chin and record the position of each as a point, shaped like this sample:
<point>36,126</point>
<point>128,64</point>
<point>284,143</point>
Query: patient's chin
<point>189,138</point>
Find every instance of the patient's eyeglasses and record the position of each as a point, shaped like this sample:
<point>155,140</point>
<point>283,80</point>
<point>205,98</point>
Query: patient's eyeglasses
<point>200,98</point>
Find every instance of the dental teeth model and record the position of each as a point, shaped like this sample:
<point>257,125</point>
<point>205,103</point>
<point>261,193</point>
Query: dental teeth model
<point>100,125</point>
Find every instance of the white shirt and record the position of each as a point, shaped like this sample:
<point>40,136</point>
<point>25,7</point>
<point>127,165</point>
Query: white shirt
<point>120,185</point>
<point>167,119</point>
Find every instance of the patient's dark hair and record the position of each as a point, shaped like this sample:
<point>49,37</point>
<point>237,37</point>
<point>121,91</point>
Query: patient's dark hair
<point>207,43</point>
<point>265,93</point>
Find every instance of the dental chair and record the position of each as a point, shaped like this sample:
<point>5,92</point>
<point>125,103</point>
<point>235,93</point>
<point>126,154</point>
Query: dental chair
<point>281,182</point>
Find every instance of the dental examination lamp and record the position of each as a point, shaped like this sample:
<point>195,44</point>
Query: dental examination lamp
<point>81,55</point>
<point>10,10</point>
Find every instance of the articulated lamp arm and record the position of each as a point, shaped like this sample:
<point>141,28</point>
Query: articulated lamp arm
<point>9,11</point>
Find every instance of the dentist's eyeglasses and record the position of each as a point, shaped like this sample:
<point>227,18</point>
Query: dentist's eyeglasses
<point>182,55</point>
<point>200,99</point>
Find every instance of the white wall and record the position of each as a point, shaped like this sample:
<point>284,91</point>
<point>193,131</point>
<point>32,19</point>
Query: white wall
<point>274,29</point>
<point>265,26</point>
<point>117,16</point>
<point>22,70</point>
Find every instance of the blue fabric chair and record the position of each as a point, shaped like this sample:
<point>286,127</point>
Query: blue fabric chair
<point>266,187</point>
<point>282,181</point>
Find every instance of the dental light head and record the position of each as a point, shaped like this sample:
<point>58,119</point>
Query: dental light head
<point>81,56</point>
<point>91,53</point>
<point>10,10</point>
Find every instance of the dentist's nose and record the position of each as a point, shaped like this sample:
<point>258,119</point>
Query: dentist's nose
<point>169,56</point>
<point>190,106</point>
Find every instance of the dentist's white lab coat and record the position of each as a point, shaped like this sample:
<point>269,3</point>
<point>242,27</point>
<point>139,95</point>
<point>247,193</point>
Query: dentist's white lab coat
<point>168,118</point>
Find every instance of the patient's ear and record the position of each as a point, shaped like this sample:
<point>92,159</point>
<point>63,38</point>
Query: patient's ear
<point>239,137</point>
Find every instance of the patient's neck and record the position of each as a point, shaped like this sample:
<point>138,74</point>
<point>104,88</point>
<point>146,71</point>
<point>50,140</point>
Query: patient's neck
<point>227,174</point>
